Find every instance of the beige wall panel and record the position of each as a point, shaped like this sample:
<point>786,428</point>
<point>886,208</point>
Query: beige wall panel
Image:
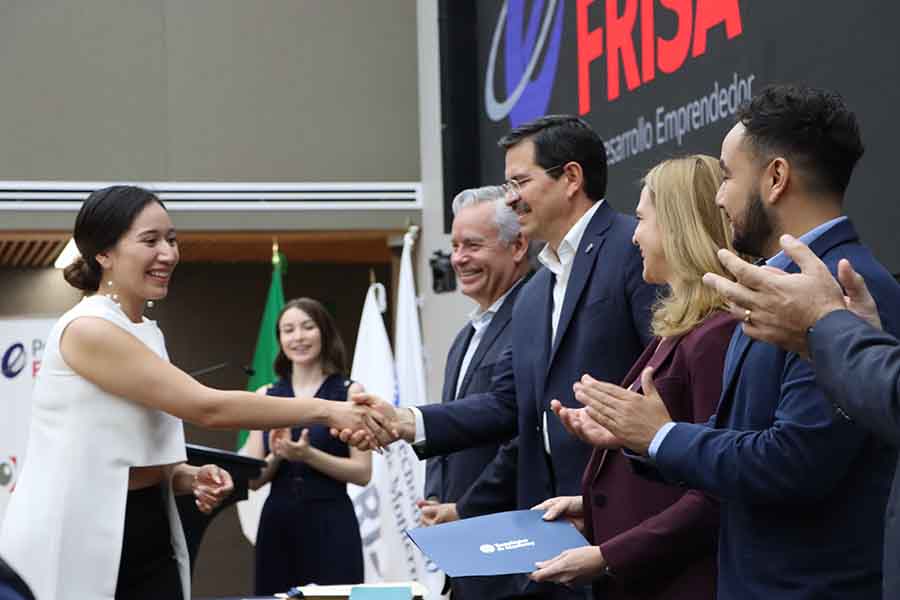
<point>276,90</point>
<point>317,90</point>
<point>83,90</point>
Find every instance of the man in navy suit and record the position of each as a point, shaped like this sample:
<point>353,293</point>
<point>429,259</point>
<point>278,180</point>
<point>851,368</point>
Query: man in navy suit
<point>491,262</point>
<point>586,311</point>
<point>856,363</point>
<point>803,488</point>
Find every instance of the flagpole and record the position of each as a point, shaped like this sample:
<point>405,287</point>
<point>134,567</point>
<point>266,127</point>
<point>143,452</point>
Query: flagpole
<point>266,350</point>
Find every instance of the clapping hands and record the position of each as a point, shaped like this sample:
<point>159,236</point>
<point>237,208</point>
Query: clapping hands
<point>628,416</point>
<point>579,423</point>
<point>779,307</point>
<point>286,448</point>
<point>211,485</point>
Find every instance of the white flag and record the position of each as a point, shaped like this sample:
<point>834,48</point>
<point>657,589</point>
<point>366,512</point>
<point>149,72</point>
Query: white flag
<point>411,392</point>
<point>408,335</point>
<point>386,507</point>
<point>373,367</point>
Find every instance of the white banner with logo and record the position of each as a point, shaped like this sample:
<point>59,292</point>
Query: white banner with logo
<point>21,350</point>
<point>386,507</point>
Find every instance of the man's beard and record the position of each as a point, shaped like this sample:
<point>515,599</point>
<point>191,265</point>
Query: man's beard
<point>756,231</point>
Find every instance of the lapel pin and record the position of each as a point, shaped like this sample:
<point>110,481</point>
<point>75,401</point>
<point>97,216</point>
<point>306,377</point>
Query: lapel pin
<point>589,248</point>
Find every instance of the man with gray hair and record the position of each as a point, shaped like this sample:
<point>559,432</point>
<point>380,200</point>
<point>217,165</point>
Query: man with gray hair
<point>490,260</point>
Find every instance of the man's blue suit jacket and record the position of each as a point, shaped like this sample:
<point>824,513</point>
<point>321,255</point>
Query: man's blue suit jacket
<point>858,366</point>
<point>603,327</point>
<point>803,489</point>
<point>449,477</point>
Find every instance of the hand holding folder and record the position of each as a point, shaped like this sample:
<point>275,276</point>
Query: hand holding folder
<point>499,544</point>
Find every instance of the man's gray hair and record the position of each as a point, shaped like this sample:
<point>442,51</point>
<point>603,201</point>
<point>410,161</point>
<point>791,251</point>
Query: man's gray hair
<point>504,217</point>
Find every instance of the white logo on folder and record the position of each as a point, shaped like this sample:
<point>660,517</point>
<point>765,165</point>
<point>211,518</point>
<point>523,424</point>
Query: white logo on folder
<point>510,545</point>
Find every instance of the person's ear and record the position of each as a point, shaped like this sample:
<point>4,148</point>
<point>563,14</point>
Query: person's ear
<point>574,175</point>
<point>103,259</point>
<point>519,248</point>
<point>776,178</point>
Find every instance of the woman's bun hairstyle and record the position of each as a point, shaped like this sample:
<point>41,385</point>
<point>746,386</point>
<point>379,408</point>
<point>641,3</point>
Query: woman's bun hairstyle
<point>80,276</point>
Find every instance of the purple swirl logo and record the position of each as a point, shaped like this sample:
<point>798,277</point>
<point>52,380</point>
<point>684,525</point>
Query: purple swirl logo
<point>527,88</point>
<point>13,361</point>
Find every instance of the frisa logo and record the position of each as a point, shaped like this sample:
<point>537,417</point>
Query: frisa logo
<point>13,360</point>
<point>527,89</point>
<point>615,39</point>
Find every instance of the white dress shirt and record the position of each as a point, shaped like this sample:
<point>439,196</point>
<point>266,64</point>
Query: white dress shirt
<point>479,320</point>
<point>560,263</point>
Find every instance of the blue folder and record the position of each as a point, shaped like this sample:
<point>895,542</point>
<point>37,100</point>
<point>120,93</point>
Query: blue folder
<point>499,544</point>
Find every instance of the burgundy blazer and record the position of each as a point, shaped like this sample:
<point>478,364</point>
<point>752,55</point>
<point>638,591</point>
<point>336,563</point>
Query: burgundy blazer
<point>660,540</point>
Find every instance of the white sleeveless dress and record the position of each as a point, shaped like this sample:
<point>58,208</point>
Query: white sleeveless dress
<point>64,523</point>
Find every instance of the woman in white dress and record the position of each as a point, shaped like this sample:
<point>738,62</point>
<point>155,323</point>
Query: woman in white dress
<point>93,516</point>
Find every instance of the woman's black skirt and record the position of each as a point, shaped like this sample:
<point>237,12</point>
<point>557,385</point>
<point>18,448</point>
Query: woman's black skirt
<point>148,569</point>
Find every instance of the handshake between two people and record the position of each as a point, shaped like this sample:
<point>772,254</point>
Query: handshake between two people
<point>375,423</point>
<point>386,424</point>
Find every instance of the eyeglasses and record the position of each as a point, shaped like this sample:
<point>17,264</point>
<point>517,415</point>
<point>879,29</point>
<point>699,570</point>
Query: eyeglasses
<point>512,188</point>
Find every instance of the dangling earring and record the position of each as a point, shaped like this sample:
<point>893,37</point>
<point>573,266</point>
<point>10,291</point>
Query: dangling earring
<point>112,296</point>
<point>149,303</point>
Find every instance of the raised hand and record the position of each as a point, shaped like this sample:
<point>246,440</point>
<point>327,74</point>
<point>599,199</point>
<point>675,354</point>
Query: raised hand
<point>435,513</point>
<point>779,307</point>
<point>633,418</point>
<point>581,425</point>
<point>570,508</point>
<point>211,485</point>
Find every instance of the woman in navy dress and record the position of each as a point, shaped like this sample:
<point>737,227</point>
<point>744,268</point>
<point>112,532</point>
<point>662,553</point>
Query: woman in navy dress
<point>308,532</point>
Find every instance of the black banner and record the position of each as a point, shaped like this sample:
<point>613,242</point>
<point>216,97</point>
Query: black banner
<point>661,78</point>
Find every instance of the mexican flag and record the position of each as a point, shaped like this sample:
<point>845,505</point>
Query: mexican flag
<point>267,339</point>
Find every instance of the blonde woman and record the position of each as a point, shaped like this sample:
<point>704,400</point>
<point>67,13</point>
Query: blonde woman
<point>650,540</point>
